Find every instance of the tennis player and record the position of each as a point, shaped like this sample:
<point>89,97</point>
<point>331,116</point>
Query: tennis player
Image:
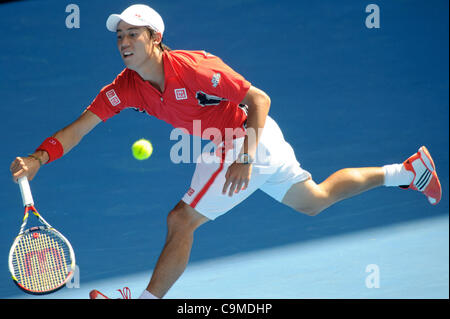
<point>183,87</point>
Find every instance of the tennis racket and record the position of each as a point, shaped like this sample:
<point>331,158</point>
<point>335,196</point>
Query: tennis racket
<point>41,260</point>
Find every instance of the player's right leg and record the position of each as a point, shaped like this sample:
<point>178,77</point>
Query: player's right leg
<point>182,222</point>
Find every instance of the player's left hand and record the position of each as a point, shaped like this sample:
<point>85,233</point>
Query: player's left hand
<point>237,178</point>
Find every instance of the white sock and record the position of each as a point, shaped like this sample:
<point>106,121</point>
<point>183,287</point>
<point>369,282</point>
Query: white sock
<point>397,175</point>
<point>147,295</point>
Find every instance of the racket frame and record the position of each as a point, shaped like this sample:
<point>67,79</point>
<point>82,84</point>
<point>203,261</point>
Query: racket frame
<point>29,206</point>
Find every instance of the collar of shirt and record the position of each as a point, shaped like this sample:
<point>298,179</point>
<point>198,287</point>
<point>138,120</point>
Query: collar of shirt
<point>168,70</point>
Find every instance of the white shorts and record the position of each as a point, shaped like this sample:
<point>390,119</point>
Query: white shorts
<point>274,171</point>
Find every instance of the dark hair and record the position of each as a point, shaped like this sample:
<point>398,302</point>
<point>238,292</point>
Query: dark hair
<point>162,46</point>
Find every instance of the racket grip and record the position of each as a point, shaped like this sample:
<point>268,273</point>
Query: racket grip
<point>25,191</point>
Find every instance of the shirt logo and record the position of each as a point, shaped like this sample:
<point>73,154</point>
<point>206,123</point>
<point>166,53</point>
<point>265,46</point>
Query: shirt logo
<point>208,100</point>
<point>215,80</point>
<point>112,97</point>
<point>180,94</point>
<point>191,191</point>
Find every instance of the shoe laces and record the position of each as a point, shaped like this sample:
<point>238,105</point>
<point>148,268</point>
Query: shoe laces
<point>125,292</point>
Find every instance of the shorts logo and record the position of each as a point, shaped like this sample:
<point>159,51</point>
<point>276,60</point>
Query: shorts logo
<point>112,97</point>
<point>215,80</point>
<point>191,191</point>
<point>180,94</point>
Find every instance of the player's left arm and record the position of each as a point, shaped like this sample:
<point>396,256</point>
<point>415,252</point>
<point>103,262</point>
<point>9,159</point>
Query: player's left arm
<point>258,103</point>
<point>238,174</point>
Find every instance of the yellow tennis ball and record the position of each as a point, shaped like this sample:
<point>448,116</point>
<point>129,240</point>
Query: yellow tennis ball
<point>142,149</point>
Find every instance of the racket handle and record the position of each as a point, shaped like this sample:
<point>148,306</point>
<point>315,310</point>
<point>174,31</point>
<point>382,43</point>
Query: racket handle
<point>25,191</point>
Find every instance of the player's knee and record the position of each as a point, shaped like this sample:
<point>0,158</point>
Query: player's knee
<point>308,198</point>
<point>178,220</point>
<point>318,202</point>
<point>182,220</point>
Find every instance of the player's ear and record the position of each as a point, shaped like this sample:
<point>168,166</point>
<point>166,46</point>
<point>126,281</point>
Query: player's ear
<point>157,38</point>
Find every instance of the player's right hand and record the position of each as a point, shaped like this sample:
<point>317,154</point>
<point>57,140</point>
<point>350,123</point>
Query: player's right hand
<point>24,166</point>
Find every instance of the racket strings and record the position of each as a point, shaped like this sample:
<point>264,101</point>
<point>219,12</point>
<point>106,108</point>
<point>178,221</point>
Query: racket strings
<point>41,261</point>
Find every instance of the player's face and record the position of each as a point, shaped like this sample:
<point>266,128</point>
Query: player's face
<point>135,45</point>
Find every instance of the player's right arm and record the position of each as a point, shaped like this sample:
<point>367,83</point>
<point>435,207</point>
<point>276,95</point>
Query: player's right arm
<point>69,137</point>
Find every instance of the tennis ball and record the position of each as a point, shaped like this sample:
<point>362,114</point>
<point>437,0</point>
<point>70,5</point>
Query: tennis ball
<point>142,149</point>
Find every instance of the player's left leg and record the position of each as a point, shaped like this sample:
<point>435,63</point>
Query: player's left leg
<point>418,173</point>
<point>311,198</point>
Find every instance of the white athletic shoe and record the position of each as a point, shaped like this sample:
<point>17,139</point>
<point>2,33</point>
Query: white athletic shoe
<point>425,178</point>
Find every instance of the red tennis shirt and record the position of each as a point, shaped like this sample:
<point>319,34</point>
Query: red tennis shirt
<point>197,86</point>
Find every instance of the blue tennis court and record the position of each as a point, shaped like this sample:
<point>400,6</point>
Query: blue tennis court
<point>344,95</point>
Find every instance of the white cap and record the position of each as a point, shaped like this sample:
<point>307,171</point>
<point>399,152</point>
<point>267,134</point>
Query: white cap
<point>138,15</point>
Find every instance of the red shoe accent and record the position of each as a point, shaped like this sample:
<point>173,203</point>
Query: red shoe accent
<point>95,294</point>
<point>125,292</point>
<point>425,179</point>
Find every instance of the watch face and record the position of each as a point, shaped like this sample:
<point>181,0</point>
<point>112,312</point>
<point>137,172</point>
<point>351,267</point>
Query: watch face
<point>244,158</point>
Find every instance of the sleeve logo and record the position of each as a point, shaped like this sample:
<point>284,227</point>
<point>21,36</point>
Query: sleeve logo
<point>215,80</point>
<point>112,97</point>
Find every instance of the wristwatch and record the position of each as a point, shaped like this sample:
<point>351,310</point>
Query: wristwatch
<point>244,158</point>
